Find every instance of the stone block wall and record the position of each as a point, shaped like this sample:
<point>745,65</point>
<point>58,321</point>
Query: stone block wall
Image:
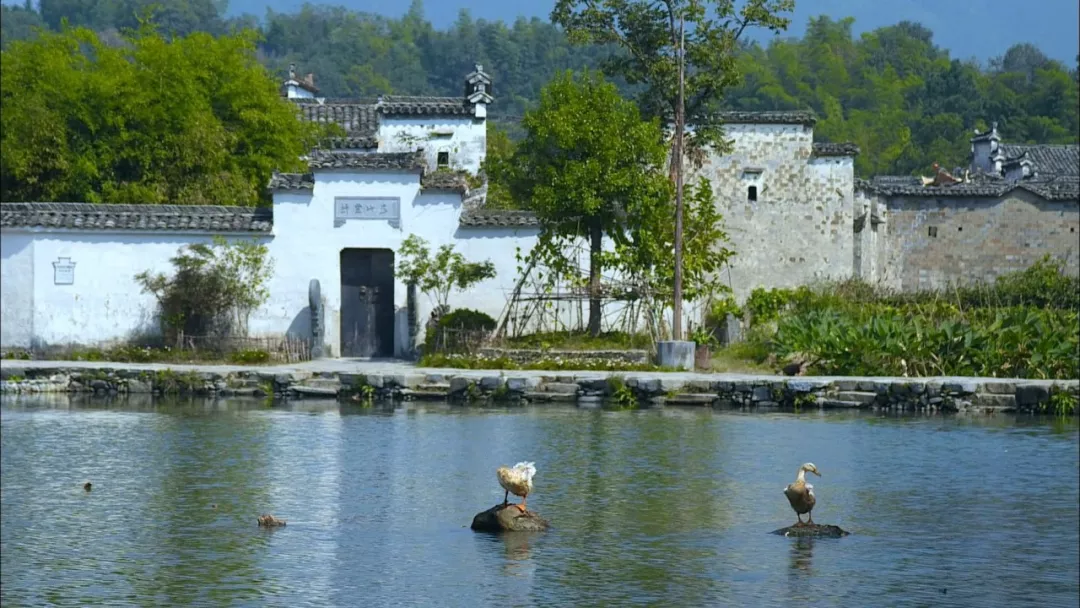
<point>929,243</point>
<point>798,229</point>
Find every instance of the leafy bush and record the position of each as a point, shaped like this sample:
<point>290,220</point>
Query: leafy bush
<point>1013,342</point>
<point>214,289</point>
<point>458,330</point>
<point>438,275</point>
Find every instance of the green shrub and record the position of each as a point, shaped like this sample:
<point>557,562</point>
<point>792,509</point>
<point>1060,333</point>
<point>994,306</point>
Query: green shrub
<point>457,330</point>
<point>249,357</point>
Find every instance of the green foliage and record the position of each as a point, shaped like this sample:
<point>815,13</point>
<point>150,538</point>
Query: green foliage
<point>458,330</point>
<point>567,340</point>
<point>194,120</point>
<point>648,33</point>
<point>438,275</point>
<point>589,167</point>
<point>251,356</point>
<point>213,290</point>
<point>703,336</point>
<point>620,396</point>
<point>505,363</point>
<point>18,354</point>
<point>903,99</point>
<point>1061,402</point>
<point>1011,342</point>
<point>720,308</point>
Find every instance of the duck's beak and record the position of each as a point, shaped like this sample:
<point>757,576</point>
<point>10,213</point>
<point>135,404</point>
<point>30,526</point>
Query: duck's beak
<point>816,473</point>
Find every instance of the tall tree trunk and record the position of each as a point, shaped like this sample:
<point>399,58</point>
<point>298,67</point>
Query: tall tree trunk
<point>596,238</point>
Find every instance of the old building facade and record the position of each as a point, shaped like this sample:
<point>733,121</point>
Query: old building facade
<point>793,209</point>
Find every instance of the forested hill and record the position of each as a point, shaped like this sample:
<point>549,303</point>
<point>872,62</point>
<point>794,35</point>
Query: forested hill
<point>904,100</point>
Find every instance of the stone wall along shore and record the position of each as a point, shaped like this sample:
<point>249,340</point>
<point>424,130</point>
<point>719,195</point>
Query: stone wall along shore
<point>582,388</point>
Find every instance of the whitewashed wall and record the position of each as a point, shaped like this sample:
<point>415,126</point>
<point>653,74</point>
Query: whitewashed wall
<point>104,303</point>
<point>308,242</point>
<point>465,138</point>
<point>16,289</point>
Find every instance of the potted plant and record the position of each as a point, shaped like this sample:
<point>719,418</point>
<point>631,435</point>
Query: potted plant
<point>704,341</point>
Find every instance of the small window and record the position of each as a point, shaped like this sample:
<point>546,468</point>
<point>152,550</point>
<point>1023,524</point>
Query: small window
<point>443,159</point>
<point>751,193</point>
<point>959,228</point>
<point>933,231</point>
<point>1072,229</point>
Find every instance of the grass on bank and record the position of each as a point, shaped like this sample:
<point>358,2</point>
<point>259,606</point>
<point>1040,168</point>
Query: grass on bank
<point>149,354</point>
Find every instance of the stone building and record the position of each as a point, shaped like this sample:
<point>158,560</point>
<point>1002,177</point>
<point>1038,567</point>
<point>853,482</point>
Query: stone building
<point>1018,203</point>
<point>408,165</point>
<point>787,200</point>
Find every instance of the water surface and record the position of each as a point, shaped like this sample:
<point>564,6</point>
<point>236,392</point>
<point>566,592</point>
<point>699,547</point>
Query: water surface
<point>667,507</point>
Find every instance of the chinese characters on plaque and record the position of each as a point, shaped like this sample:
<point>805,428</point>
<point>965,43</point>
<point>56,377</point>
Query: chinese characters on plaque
<point>367,208</point>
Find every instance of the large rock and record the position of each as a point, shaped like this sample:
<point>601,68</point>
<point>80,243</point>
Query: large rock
<point>508,518</point>
<point>814,530</point>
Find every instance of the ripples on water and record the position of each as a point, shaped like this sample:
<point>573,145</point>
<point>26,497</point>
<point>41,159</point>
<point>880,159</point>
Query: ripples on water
<point>659,507</point>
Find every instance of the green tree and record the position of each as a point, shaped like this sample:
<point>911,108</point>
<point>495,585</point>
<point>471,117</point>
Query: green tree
<point>438,275</point>
<point>684,70</point>
<point>194,120</point>
<point>588,166</point>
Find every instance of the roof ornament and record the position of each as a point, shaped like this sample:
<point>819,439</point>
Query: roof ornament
<point>292,71</point>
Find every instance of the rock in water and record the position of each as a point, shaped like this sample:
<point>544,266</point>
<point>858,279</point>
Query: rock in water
<point>812,530</point>
<point>508,518</point>
<point>269,521</point>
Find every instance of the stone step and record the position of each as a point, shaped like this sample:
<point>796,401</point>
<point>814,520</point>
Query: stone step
<point>554,397</point>
<point>838,404</point>
<point>423,395</point>
<point>856,396</point>
<point>690,399</point>
<point>566,388</point>
<point>314,390</point>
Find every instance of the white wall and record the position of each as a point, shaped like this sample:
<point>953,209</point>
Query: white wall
<point>16,289</point>
<point>466,142</point>
<point>104,303</point>
<point>308,245</point>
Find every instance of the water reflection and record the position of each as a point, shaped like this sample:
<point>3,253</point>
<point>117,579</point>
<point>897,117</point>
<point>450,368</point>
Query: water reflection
<point>664,507</point>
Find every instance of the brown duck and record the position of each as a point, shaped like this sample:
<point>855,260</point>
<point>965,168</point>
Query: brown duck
<point>801,494</point>
<point>269,521</point>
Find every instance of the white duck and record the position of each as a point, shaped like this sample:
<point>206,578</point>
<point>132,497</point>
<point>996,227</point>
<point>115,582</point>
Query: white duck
<point>516,481</point>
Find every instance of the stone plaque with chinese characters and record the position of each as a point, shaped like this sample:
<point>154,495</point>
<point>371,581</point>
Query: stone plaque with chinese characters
<point>367,208</point>
<point>63,271</point>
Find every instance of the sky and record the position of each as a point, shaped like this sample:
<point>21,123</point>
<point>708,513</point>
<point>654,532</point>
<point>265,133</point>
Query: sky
<point>979,29</point>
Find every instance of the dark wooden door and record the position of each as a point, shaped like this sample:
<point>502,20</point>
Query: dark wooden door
<point>367,303</point>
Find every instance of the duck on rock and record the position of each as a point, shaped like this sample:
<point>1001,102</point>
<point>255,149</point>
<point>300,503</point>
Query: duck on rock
<point>516,481</point>
<point>801,494</point>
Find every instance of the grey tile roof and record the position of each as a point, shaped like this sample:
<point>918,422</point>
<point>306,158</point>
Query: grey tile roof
<point>164,218</point>
<point>358,117</point>
<point>386,161</point>
<point>983,186</point>
<point>797,117</point>
<point>424,106</point>
<point>821,148</point>
<point>497,218</point>
<point>1050,160</point>
<point>454,181</point>
<point>292,181</point>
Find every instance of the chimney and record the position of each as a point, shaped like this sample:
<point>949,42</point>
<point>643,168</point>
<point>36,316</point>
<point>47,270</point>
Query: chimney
<point>302,89</point>
<point>986,151</point>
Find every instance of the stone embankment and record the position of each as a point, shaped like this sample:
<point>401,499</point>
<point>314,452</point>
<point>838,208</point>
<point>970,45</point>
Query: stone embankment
<point>348,381</point>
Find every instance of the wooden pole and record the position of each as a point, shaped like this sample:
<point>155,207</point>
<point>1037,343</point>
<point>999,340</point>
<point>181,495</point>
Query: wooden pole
<point>680,119</point>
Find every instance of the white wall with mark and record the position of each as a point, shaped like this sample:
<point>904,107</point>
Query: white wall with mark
<point>462,139</point>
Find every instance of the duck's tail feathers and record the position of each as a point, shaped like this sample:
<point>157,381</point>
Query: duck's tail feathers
<point>528,469</point>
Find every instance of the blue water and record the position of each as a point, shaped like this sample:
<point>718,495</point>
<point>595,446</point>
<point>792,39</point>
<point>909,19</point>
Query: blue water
<point>669,507</point>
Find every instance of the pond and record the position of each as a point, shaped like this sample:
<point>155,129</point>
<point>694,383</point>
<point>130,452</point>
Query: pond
<point>653,507</point>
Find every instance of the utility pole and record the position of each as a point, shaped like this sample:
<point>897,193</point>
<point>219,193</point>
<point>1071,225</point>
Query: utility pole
<point>680,120</point>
